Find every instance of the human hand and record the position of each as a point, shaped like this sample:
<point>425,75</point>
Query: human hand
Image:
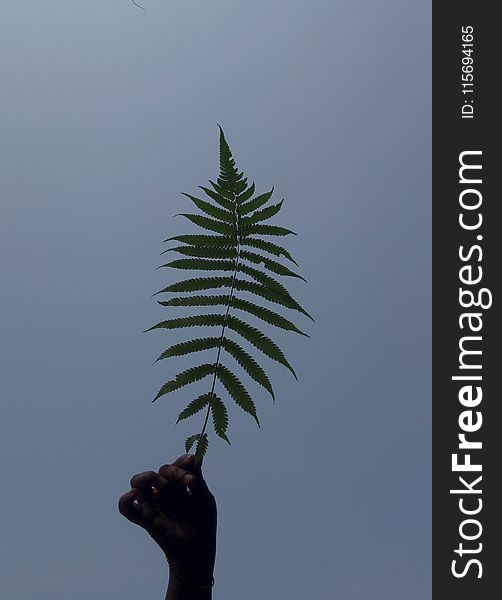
<point>175,506</point>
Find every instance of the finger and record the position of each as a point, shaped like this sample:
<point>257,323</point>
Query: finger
<point>198,486</point>
<point>129,509</point>
<point>145,480</point>
<point>175,476</point>
<point>185,462</point>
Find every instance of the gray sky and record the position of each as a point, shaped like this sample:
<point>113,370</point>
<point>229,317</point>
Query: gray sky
<point>107,114</point>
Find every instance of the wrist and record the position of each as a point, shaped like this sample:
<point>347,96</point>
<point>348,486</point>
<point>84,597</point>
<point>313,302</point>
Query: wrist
<point>194,576</point>
<point>180,588</point>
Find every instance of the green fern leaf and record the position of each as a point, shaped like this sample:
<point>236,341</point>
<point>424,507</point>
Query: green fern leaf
<point>199,264</point>
<point>202,446</point>
<point>205,240</point>
<point>268,294</point>
<point>264,279</point>
<point>213,225</point>
<point>184,378</point>
<point>259,340</point>
<point>261,290</point>
<point>237,391</point>
<point>222,191</point>
<point>255,203</point>
<point>256,229</point>
<point>211,210</point>
<point>219,198</point>
<point>195,321</point>
<point>197,284</point>
<point>265,314</point>
<point>196,301</point>
<point>269,247</point>
<point>261,312</point>
<point>220,418</point>
<point>246,195</point>
<point>268,263</point>
<point>194,407</point>
<point>205,251</point>
<point>229,175</point>
<point>248,363</point>
<point>233,219</point>
<point>190,441</point>
<point>241,187</point>
<point>184,348</point>
<point>270,283</point>
<point>261,215</point>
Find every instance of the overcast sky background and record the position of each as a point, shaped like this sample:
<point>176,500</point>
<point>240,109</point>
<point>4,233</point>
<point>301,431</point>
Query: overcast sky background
<point>109,112</point>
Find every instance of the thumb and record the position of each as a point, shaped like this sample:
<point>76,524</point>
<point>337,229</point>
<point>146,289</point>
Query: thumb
<point>198,486</point>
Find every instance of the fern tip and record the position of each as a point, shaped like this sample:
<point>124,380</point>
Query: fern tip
<point>293,371</point>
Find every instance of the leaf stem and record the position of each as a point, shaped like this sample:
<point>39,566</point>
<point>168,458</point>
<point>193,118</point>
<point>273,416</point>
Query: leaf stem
<point>229,302</point>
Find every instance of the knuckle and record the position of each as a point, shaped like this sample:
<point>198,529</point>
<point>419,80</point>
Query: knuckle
<point>164,470</point>
<point>134,479</point>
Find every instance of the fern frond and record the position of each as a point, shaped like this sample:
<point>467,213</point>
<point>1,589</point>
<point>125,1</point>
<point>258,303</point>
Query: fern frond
<point>248,363</point>
<point>261,290</point>
<point>200,264</point>
<point>204,251</point>
<point>259,340</point>
<point>219,198</point>
<point>265,279</point>
<point>274,286</point>
<point>205,240</point>
<point>236,258</point>
<point>222,191</point>
<point>220,418</point>
<point>211,210</point>
<point>197,284</point>
<point>261,312</point>
<point>257,229</point>
<point>194,407</point>
<point>190,441</point>
<point>195,321</point>
<point>213,225</point>
<point>265,314</point>
<point>196,301</point>
<point>202,446</point>
<point>184,348</point>
<point>229,177</point>
<point>237,391</point>
<point>255,203</point>
<point>269,247</point>
<point>268,263</point>
<point>269,294</point>
<point>184,378</point>
<point>261,215</point>
<point>246,195</point>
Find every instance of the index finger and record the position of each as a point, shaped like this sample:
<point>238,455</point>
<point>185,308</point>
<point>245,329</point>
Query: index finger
<point>186,461</point>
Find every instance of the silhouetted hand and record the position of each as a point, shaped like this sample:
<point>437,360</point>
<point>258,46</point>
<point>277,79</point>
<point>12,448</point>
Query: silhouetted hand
<point>177,509</point>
